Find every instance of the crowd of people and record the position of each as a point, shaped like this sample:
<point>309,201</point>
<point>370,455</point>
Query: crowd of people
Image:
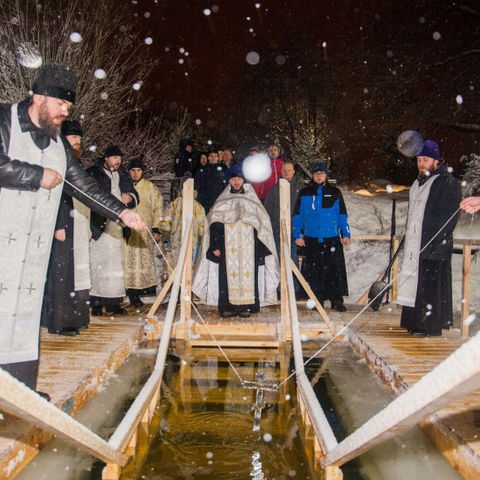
<point>85,239</point>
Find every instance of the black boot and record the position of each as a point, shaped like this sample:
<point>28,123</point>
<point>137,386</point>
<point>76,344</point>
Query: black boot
<point>338,305</point>
<point>135,300</point>
<point>97,311</point>
<point>116,310</point>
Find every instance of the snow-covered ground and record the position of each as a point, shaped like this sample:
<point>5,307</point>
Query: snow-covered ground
<point>369,213</point>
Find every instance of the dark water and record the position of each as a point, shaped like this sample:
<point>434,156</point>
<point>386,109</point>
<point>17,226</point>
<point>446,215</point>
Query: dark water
<point>207,423</point>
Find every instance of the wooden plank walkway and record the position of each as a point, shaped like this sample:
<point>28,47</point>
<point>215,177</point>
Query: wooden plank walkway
<point>71,371</point>
<point>401,360</point>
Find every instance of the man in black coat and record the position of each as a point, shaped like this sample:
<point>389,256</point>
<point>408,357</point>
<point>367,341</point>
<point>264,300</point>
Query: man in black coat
<point>34,161</point>
<point>425,280</point>
<point>210,181</point>
<point>184,161</point>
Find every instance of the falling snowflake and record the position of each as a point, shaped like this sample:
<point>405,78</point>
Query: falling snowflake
<point>100,73</point>
<point>75,37</point>
<point>253,58</point>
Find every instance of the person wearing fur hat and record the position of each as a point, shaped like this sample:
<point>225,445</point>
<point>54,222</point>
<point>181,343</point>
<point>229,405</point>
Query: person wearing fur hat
<point>34,162</point>
<point>65,308</point>
<point>140,275</point>
<point>241,278</point>
<point>107,257</point>
<point>425,279</point>
<point>320,224</point>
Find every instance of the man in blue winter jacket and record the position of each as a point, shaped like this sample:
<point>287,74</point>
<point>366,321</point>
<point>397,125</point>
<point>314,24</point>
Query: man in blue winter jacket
<point>320,224</point>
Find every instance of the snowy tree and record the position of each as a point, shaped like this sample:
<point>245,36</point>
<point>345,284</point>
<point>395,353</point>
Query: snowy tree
<point>471,178</point>
<point>155,139</point>
<point>100,41</point>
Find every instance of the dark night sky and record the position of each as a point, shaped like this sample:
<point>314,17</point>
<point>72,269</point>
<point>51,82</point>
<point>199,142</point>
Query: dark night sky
<point>218,44</point>
<point>197,58</point>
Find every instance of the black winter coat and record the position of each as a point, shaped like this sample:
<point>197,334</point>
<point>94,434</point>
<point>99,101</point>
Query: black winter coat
<point>210,181</point>
<point>98,221</point>
<point>20,175</point>
<point>184,160</point>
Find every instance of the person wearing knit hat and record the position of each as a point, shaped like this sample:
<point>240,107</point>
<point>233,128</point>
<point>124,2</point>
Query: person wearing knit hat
<point>112,151</point>
<point>107,256</point>
<point>34,159</point>
<point>430,149</point>
<point>72,127</point>
<point>235,171</point>
<point>52,83</point>
<point>319,167</point>
<point>140,274</point>
<point>425,279</point>
<point>137,164</point>
<point>320,225</point>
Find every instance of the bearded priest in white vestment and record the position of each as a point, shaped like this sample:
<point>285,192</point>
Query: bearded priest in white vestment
<point>238,267</point>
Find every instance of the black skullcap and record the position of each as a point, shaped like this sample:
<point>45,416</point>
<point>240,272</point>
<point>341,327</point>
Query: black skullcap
<point>112,151</point>
<point>56,81</point>
<point>72,127</point>
<point>136,163</point>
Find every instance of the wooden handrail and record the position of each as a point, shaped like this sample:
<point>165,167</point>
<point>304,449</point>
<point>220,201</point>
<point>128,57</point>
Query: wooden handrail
<point>323,431</point>
<point>126,429</point>
<point>457,376</point>
<point>21,401</point>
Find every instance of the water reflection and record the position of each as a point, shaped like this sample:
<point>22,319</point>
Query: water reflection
<point>207,421</point>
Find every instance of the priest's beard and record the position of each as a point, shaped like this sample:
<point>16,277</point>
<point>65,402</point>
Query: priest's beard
<point>426,173</point>
<point>46,122</point>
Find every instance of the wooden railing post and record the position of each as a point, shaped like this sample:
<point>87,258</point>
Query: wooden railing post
<point>186,289</point>
<point>465,306</point>
<point>394,271</point>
